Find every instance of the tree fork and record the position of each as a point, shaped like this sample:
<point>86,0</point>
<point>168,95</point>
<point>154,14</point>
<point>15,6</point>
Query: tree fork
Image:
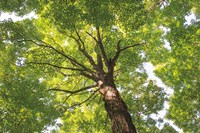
<point>117,110</point>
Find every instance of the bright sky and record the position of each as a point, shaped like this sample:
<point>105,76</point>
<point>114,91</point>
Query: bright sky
<point>7,16</point>
<point>151,76</point>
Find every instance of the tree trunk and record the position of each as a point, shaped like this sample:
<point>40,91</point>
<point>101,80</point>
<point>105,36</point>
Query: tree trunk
<point>117,110</point>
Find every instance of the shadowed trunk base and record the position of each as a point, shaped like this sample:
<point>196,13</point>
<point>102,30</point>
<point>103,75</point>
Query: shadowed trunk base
<point>117,111</point>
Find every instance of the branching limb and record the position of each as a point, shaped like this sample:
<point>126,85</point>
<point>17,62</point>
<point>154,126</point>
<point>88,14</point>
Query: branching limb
<point>82,49</point>
<point>100,44</point>
<point>86,100</point>
<point>117,53</point>
<point>93,77</point>
<point>47,45</point>
<point>99,57</point>
<point>71,59</point>
<point>82,72</point>
<point>66,56</point>
<point>119,50</point>
<point>79,39</point>
<point>54,41</point>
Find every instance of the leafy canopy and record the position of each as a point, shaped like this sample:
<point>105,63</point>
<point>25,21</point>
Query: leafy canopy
<point>54,52</point>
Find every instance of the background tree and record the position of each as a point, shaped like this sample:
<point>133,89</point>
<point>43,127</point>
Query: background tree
<point>86,52</point>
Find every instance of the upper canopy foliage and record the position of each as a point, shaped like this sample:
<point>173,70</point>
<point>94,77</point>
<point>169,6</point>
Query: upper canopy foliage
<point>60,51</point>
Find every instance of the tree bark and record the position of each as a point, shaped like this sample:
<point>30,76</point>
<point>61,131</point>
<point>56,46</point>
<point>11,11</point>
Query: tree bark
<point>117,110</point>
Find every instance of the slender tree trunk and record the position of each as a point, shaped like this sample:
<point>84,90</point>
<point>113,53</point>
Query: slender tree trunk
<point>117,110</point>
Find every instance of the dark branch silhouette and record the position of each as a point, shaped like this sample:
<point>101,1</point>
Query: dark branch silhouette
<point>82,49</point>
<point>47,45</point>
<point>101,47</point>
<point>93,37</point>
<point>72,92</point>
<point>90,97</point>
<point>119,49</point>
<point>55,66</point>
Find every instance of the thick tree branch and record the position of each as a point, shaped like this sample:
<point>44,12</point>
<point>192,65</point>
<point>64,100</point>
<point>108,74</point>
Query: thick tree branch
<point>100,44</point>
<point>99,56</point>
<point>117,53</point>
<point>79,41</point>
<point>99,62</point>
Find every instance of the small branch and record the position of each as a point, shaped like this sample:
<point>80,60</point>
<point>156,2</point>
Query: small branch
<point>159,3</point>
<point>66,56</point>
<point>55,66</point>
<point>78,104</point>
<point>93,37</point>
<point>79,38</point>
<point>59,52</point>
<point>67,98</point>
<point>76,84</point>
<point>119,50</point>
<point>88,76</point>
<point>92,99</point>
<point>71,59</point>
<point>73,92</point>
<point>99,57</point>
<point>116,72</point>
<point>85,92</point>
<point>131,46</point>
<point>67,75</point>
<point>57,44</point>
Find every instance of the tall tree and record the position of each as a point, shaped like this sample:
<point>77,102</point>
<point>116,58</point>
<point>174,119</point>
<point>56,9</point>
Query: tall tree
<point>81,50</point>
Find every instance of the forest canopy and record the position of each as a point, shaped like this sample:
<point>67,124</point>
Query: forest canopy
<point>83,62</point>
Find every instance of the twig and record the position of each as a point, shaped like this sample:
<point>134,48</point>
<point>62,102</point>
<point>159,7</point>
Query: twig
<point>78,104</point>
<point>72,92</point>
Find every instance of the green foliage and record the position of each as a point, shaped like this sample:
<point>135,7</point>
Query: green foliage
<point>41,55</point>
<point>26,106</point>
<point>180,70</point>
<point>168,129</point>
<point>21,7</point>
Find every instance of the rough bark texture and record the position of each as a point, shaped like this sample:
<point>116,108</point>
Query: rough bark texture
<point>117,110</point>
